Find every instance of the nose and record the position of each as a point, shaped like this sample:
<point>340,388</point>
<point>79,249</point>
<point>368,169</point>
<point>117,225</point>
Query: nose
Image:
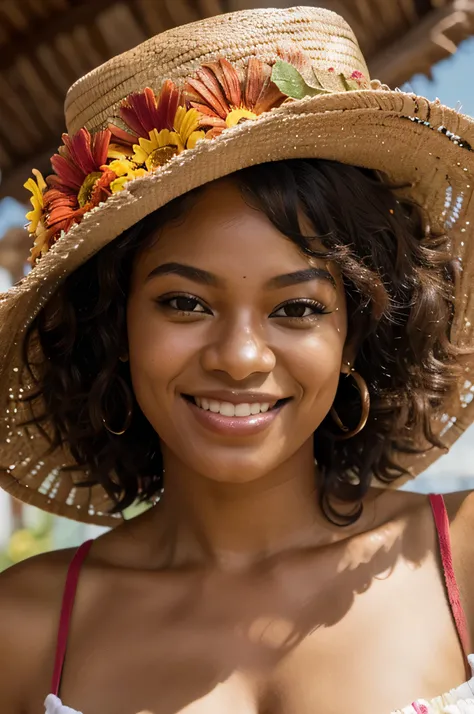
<point>240,350</point>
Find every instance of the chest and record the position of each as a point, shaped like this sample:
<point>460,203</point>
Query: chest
<point>360,639</point>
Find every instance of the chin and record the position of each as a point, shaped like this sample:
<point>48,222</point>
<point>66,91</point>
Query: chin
<point>236,465</point>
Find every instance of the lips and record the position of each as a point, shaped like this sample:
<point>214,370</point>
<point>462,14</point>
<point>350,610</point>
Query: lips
<point>236,418</point>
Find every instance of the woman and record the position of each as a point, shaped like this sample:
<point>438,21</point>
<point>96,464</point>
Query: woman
<point>248,307</point>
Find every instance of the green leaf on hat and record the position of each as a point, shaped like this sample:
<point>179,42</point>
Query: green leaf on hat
<point>350,84</point>
<point>290,82</point>
<point>330,80</point>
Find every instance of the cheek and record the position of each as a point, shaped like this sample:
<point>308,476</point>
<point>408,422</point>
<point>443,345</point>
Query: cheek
<point>315,363</point>
<point>159,351</point>
<point>150,361</point>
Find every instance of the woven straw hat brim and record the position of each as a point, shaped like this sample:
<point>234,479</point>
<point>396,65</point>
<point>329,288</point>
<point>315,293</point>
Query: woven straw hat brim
<point>366,128</point>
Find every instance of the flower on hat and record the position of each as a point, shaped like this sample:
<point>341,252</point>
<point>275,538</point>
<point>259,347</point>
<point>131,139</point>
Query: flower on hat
<point>79,182</point>
<point>37,188</point>
<point>77,163</point>
<point>158,149</point>
<point>126,171</point>
<point>225,98</point>
<point>151,128</point>
<point>186,125</point>
<point>44,239</point>
<point>141,113</point>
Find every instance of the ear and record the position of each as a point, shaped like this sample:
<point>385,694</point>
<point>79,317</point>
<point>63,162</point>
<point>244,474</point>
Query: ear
<point>349,354</point>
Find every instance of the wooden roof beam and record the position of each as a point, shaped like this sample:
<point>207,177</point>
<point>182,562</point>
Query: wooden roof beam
<point>45,31</point>
<point>433,38</point>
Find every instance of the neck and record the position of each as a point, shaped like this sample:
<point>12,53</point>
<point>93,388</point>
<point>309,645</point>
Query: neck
<point>236,525</point>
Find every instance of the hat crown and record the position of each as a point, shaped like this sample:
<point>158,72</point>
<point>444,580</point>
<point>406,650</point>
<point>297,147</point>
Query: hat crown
<point>323,35</point>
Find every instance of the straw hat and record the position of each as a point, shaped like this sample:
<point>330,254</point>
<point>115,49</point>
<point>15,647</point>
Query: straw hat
<point>277,84</point>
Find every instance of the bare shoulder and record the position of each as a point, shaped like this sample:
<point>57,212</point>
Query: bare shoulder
<point>30,601</point>
<point>460,507</point>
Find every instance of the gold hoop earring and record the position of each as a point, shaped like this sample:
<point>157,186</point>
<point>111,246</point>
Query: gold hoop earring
<point>127,424</point>
<point>365,399</point>
<point>128,403</point>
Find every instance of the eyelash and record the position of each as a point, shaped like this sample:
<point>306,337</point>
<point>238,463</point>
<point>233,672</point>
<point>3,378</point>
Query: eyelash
<point>317,307</point>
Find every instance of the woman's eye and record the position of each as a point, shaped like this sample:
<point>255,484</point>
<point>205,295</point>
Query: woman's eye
<point>299,309</point>
<point>183,303</point>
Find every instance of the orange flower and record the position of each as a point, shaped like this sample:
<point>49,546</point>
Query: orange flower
<point>225,99</point>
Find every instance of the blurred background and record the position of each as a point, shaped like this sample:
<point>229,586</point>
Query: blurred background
<point>426,46</point>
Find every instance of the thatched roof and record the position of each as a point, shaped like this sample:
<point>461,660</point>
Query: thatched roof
<point>45,45</point>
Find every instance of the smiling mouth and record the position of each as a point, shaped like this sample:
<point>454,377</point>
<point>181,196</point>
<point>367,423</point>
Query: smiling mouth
<point>244,409</point>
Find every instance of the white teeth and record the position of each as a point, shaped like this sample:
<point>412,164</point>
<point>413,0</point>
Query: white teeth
<point>230,410</point>
<point>227,409</point>
<point>243,410</point>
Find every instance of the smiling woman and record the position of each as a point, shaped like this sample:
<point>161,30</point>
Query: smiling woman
<point>248,310</point>
<point>232,330</point>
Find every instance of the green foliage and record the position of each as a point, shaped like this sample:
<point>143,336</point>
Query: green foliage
<point>26,542</point>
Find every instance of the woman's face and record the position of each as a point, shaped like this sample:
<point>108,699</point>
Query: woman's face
<point>235,338</point>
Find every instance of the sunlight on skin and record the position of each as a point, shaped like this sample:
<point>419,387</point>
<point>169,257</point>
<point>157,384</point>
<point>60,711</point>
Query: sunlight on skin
<point>243,699</point>
<point>363,550</point>
<point>272,632</point>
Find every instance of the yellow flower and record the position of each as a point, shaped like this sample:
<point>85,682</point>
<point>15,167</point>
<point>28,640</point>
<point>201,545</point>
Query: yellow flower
<point>37,189</point>
<point>236,116</point>
<point>119,151</point>
<point>126,171</point>
<point>44,238</point>
<point>186,124</point>
<point>158,149</point>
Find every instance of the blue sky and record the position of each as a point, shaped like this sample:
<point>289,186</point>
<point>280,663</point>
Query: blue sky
<point>452,80</point>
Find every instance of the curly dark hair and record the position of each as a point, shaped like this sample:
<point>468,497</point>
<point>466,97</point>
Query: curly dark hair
<point>398,278</point>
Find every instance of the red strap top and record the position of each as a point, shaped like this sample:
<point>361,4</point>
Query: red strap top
<point>442,526</point>
<point>69,596</point>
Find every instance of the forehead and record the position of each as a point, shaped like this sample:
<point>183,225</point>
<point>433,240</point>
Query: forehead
<point>221,232</point>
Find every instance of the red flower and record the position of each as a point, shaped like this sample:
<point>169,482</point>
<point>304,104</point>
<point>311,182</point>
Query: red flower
<point>142,112</point>
<point>79,183</point>
<point>81,155</point>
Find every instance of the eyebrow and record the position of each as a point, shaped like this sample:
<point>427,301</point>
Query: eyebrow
<point>186,271</point>
<point>301,276</point>
<point>198,275</point>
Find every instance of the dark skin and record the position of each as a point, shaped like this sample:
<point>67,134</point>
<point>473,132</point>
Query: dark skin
<point>235,594</point>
